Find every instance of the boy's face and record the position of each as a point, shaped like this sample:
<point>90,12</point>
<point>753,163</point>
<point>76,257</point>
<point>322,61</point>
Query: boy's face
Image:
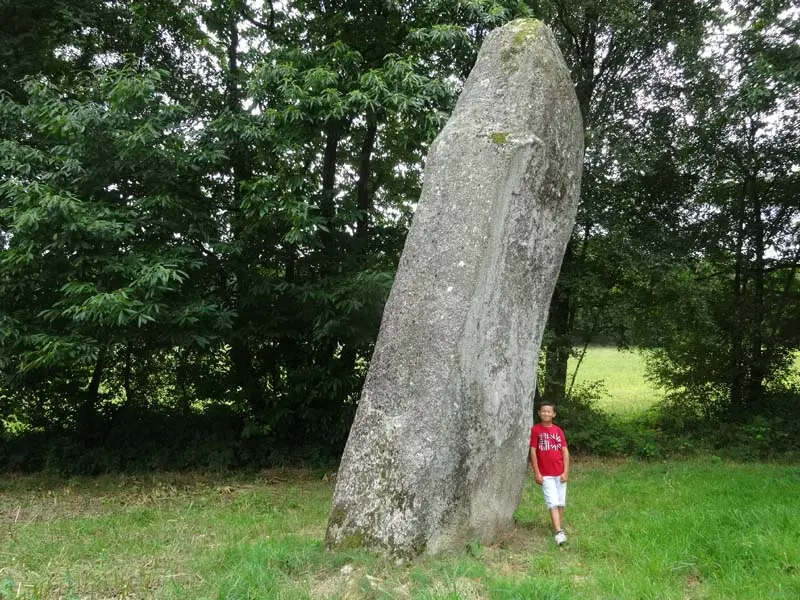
<point>546,414</point>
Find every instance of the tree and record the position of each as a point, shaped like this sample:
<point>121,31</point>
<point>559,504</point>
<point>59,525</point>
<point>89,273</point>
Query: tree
<point>617,52</point>
<point>345,98</point>
<point>100,184</point>
<point>224,183</point>
<point>744,102</point>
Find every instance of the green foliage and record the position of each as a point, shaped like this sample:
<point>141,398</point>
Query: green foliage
<point>97,256</point>
<point>769,432</point>
<point>606,415</point>
<point>593,431</point>
<point>686,237</point>
<point>620,55</point>
<point>146,439</point>
<point>730,311</point>
<point>204,203</point>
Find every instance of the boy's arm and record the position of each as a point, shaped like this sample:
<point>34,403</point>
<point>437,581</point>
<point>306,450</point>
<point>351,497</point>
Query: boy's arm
<point>535,466</point>
<point>565,454</point>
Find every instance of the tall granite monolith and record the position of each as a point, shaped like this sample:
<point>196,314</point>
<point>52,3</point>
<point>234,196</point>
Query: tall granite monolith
<point>437,453</point>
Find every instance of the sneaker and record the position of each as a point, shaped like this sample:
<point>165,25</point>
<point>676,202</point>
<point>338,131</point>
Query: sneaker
<point>561,537</point>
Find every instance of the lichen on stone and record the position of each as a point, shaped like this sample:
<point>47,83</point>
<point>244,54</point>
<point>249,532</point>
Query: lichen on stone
<point>525,28</point>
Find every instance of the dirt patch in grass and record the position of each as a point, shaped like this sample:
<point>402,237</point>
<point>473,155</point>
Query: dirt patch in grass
<point>351,583</point>
<point>355,583</point>
<point>523,538</point>
<point>462,587</point>
<point>509,558</point>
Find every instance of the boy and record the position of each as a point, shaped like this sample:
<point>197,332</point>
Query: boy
<point>549,458</point>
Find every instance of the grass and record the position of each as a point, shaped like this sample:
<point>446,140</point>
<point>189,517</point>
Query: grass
<point>698,529</point>
<point>622,373</point>
<point>704,529</point>
<point>627,393</point>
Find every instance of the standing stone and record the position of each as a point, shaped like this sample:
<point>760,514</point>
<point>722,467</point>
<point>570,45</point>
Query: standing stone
<point>437,454</point>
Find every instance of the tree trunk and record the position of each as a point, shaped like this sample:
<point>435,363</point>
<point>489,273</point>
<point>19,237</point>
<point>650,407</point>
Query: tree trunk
<point>87,418</point>
<point>363,191</point>
<point>241,354</point>
<point>127,375</point>
<point>181,380</point>
<point>737,324</point>
<point>559,325</point>
<point>562,307</point>
<point>327,204</point>
<point>758,359</point>
<point>242,362</point>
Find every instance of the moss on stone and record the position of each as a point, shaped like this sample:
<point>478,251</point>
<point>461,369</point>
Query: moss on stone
<point>499,137</point>
<point>525,28</point>
<point>337,517</point>
<point>351,541</point>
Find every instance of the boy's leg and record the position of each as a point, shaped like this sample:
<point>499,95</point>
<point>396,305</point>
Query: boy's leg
<point>556,515</point>
<point>561,537</point>
<point>550,490</point>
<point>554,496</point>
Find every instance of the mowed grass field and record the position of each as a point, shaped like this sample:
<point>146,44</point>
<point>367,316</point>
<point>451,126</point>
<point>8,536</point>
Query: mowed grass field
<point>695,529</point>
<point>622,373</point>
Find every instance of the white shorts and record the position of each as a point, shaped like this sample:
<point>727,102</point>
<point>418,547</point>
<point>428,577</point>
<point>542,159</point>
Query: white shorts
<point>555,491</point>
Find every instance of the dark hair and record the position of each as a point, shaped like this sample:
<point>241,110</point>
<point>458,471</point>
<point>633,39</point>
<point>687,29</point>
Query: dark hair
<point>547,403</point>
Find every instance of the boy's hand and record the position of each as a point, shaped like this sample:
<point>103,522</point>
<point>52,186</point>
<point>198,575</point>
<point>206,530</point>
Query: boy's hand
<point>538,478</point>
<point>564,477</point>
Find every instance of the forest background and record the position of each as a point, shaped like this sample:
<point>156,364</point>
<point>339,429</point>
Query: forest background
<point>203,203</point>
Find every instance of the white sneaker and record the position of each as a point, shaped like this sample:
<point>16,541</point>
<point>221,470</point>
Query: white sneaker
<point>561,537</point>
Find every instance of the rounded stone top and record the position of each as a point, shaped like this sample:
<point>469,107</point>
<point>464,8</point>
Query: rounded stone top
<point>519,77</point>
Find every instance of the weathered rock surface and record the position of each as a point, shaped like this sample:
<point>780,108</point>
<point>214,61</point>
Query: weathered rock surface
<point>437,454</point>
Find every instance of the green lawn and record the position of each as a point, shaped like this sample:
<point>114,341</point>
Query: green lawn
<point>622,373</point>
<point>705,529</point>
<point>699,529</point>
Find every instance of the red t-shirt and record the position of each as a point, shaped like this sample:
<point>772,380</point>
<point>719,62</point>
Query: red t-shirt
<point>548,442</point>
